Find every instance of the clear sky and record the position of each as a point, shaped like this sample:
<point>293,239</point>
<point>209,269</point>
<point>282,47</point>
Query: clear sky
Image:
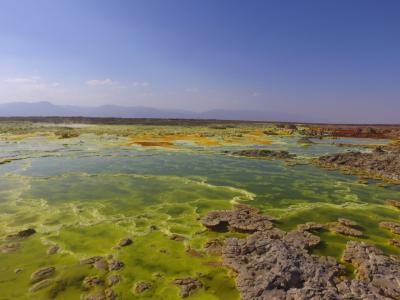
<point>337,59</point>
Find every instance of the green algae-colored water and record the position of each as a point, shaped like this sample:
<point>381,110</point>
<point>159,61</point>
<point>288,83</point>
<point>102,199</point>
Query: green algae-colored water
<point>85,194</point>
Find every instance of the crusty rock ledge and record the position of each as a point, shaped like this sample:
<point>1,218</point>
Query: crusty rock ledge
<point>377,164</point>
<point>273,264</point>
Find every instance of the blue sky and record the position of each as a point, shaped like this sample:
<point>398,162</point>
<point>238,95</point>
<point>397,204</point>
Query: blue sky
<point>338,59</point>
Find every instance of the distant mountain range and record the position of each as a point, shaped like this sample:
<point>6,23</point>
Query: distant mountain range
<point>47,109</point>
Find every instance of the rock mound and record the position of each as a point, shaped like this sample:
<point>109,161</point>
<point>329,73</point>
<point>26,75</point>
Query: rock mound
<point>379,163</point>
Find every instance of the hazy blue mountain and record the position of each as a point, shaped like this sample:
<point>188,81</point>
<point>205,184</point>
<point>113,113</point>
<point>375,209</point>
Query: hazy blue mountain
<point>46,109</point>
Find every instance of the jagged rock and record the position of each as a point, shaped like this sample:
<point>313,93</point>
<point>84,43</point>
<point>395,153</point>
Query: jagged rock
<point>380,273</point>
<point>302,239</point>
<point>90,260</point>
<point>113,279</point>
<point>42,273</point>
<point>382,164</point>
<point>40,285</point>
<point>115,265</point>
<point>188,286</point>
<point>9,248</point>
<point>242,219</point>
<point>125,242</point>
<point>214,247</point>
<point>394,203</point>
<point>273,264</point>
<point>177,237</point>
<point>271,268</point>
<point>394,242</point>
<point>309,226</point>
<point>91,281</point>
<point>265,153</point>
<point>345,230</point>
<point>21,234</point>
<point>392,226</point>
<point>52,250</point>
<point>141,287</point>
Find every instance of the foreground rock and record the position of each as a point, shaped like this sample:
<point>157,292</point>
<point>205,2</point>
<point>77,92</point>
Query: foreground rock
<point>273,264</point>
<point>265,153</point>
<point>377,275</point>
<point>271,268</point>
<point>379,163</point>
<point>188,286</point>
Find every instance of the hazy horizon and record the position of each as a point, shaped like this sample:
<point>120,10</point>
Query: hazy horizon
<point>337,61</point>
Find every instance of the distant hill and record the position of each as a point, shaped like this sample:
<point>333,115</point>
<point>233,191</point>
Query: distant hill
<point>47,109</point>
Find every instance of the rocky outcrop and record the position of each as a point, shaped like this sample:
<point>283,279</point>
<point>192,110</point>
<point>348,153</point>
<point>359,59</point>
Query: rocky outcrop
<point>271,268</point>
<point>264,153</point>
<point>377,164</point>
<point>273,264</point>
<point>188,286</point>
<point>377,274</point>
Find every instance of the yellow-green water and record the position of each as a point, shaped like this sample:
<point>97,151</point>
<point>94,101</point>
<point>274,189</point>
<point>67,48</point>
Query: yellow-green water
<point>86,193</point>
